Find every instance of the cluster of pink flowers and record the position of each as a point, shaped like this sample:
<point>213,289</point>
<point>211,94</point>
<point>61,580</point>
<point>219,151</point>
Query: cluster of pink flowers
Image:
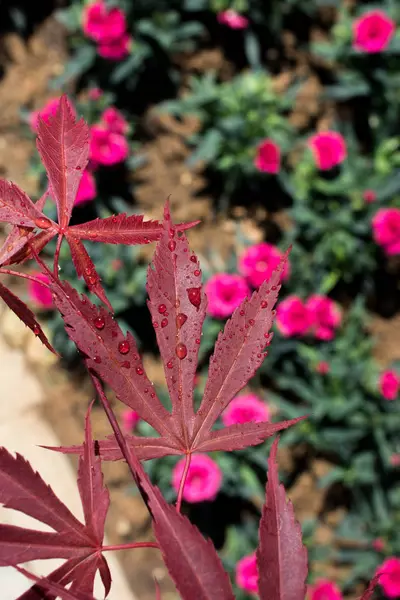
<point>203,479</point>
<point>319,316</point>
<point>386,230</point>
<point>232,19</point>
<point>324,589</point>
<point>225,292</point>
<point>39,294</point>
<point>46,113</point>
<point>389,579</point>
<point>389,384</point>
<point>373,31</point>
<point>247,408</point>
<point>268,157</point>
<point>130,418</point>
<point>328,148</point>
<point>108,144</point>
<point>107,27</point>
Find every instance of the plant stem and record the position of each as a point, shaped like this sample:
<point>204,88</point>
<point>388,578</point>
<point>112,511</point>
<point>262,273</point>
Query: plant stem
<point>183,481</point>
<point>130,546</point>
<point>57,255</point>
<point>23,276</point>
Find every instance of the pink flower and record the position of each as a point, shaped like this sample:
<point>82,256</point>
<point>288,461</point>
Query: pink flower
<point>107,148</point>
<point>395,460</point>
<point>247,573</point>
<point>378,544</point>
<point>48,111</point>
<point>115,49</point>
<point>87,189</point>
<point>247,408</point>
<point>386,229</point>
<point>95,93</point>
<point>389,579</point>
<point>373,31</point>
<point>232,19</point>
<point>293,317</point>
<point>329,149</point>
<point>323,589</point>
<point>103,24</point>
<point>225,293</point>
<point>39,294</point>
<point>389,384</point>
<point>259,261</point>
<point>203,480</point>
<point>326,316</point>
<point>114,121</point>
<point>268,158</point>
<point>369,196</point>
<point>323,367</point>
<point>130,418</point>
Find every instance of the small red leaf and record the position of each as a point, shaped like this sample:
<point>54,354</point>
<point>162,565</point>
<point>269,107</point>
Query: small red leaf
<point>281,555</point>
<point>63,145</point>
<point>85,268</point>
<point>22,251</point>
<point>237,437</point>
<point>119,229</point>
<point>25,314</point>
<point>53,587</point>
<point>22,489</point>
<point>18,209</point>
<point>114,357</point>
<point>238,353</point>
<point>177,319</point>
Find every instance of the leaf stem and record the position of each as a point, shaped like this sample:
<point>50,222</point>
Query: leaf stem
<point>130,546</point>
<point>183,481</point>
<point>57,255</point>
<point>23,276</point>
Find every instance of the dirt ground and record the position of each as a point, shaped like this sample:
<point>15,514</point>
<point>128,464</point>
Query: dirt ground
<point>27,69</point>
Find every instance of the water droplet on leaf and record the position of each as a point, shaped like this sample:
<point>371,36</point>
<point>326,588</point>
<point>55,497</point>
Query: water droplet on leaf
<point>181,319</point>
<point>181,351</point>
<point>172,245</point>
<point>124,347</point>
<point>139,370</point>
<point>164,323</point>
<point>162,308</point>
<point>42,223</point>
<point>99,323</point>
<point>194,295</point>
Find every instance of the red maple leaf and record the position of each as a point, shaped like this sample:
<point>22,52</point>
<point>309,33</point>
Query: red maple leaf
<point>22,489</point>
<point>178,307</point>
<point>281,555</point>
<point>63,144</point>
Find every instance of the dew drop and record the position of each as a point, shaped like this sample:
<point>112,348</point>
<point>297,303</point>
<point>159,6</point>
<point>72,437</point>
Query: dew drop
<point>97,359</point>
<point>139,370</point>
<point>135,357</point>
<point>152,395</point>
<point>266,335</point>
<point>99,323</point>
<point>124,347</point>
<point>264,304</point>
<point>91,280</point>
<point>162,308</point>
<point>197,341</point>
<point>242,313</point>
<point>194,295</point>
<point>193,258</point>
<point>181,351</point>
<point>259,355</point>
<point>170,364</point>
<point>197,272</point>
<point>146,391</point>
<point>172,245</point>
<point>79,168</point>
<point>181,319</point>
<point>251,322</point>
<point>10,247</point>
<point>164,323</point>
<point>274,288</point>
<point>36,329</point>
<point>155,324</point>
<point>42,223</point>
<point>114,334</point>
<point>126,364</point>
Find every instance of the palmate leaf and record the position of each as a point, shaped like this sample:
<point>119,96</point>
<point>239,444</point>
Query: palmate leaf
<point>47,589</point>
<point>18,209</point>
<point>192,561</point>
<point>177,304</point>
<point>281,555</point>
<point>22,489</point>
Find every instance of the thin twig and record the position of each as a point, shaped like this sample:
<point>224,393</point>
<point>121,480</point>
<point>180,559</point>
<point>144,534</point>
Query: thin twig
<point>183,481</point>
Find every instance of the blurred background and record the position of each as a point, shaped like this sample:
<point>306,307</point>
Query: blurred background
<point>276,123</point>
